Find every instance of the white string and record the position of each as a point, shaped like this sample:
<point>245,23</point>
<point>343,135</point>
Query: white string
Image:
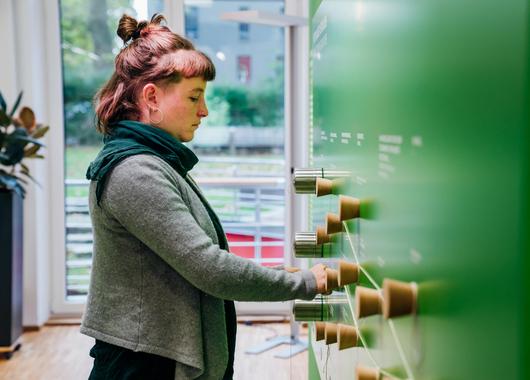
<point>365,272</point>
<point>410,375</point>
<point>357,327</point>
<point>351,243</point>
<point>365,346</point>
<point>326,365</point>
<point>400,349</point>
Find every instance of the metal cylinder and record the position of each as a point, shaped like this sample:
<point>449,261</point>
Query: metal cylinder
<point>306,246</point>
<point>305,180</point>
<point>315,310</point>
<point>333,174</point>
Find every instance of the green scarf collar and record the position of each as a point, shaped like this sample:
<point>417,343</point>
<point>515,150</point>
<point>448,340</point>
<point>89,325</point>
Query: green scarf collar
<point>129,138</point>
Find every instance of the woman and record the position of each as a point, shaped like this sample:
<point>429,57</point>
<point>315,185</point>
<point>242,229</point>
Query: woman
<point>160,304</point>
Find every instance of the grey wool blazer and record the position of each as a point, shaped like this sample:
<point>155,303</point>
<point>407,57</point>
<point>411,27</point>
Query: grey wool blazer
<point>158,276</point>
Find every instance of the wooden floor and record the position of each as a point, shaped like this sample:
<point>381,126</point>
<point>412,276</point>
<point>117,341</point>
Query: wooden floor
<point>61,353</point>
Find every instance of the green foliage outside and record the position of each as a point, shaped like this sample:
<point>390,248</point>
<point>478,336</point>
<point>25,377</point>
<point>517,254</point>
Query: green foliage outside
<point>239,106</point>
<point>89,45</point>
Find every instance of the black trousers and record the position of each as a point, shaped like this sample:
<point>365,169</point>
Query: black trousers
<point>117,363</point>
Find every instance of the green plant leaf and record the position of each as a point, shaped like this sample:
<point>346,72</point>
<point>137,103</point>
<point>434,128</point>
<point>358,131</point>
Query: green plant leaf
<point>31,150</point>
<point>4,119</point>
<point>25,169</point>
<point>23,180</point>
<point>3,104</point>
<point>7,181</point>
<point>40,156</point>
<point>15,143</point>
<point>40,132</point>
<point>17,103</point>
<point>15,155</point>
<point>27,140</point>
<point>27,175</point>
<point>18,132</point>
<point>11,182</point>
<point>4,159</point>
<point>31,178</point>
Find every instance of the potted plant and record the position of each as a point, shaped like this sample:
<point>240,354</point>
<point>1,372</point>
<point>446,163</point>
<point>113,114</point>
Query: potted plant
<point>19,141</point>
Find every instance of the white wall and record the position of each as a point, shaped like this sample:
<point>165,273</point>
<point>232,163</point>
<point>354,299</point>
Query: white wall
<point>28,29</point>
<point>8,85</point>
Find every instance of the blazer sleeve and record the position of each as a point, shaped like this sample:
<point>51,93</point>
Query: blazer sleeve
<point>144,196</point>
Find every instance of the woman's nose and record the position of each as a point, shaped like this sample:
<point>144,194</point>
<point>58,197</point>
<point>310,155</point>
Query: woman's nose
<point>203,110</point>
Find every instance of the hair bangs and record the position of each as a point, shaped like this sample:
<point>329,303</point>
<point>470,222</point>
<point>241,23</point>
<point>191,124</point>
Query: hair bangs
<point>191,63</point>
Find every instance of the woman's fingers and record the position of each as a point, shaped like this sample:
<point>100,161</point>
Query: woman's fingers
<point>319,271</point>
<point>292,269</point>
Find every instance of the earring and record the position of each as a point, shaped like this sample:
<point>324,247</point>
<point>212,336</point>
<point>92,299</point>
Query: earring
<point>157,121</point>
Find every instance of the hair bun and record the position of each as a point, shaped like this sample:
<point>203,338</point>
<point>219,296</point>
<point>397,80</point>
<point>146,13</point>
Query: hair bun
<point>129,28</point>
<point>137,32</point>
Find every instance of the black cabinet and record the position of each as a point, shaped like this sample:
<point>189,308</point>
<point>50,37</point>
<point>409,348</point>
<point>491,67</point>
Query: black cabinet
<point>11,287</point>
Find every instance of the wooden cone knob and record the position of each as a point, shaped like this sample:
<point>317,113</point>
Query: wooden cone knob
<point>324,187</point>
<point>365,373</point>
<point>400,298</point>
<point>322,236</point>
<point>348,273</point>
<point>320,330</point>
<point>333,224</point>
<point>367,302</point>
<point>332,280</point>
<point>347,337</point>
<point>330,333</point>
<point>349,207</point>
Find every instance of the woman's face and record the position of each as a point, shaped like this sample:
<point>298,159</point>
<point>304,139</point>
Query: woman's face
<point>183,106</point>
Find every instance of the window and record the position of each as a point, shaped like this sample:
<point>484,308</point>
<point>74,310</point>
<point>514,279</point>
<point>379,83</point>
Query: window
<point>192,22</point>
<point>89,45</point>
<point>244,29</point>
<point>243,68</point>
<point>241,143</point>
<point>242,137</point>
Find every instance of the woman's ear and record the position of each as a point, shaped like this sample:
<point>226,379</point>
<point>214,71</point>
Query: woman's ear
<point>150,95</point>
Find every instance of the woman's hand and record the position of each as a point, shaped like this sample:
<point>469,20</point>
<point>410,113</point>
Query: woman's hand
<point>291,269</point>
<point>319,271</point>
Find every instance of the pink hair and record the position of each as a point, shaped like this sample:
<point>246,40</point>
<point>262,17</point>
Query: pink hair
<point>156,54</point>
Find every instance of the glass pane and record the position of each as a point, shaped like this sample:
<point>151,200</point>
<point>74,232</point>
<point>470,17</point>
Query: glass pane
<point>89,45</point>
<point>241,143</point>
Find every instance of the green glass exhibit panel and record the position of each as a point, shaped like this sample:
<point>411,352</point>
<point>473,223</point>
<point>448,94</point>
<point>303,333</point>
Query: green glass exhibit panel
<point>425,103</point>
